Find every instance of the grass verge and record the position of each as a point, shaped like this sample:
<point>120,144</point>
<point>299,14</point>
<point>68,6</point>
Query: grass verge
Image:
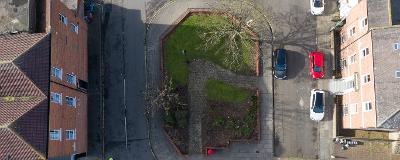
<point>187,37</point>
<point>223,92</point>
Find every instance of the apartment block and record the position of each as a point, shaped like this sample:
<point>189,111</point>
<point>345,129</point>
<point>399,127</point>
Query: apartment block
<point>370,68</point>
<point>43,88</point>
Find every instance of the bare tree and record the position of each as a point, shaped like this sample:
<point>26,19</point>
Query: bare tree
<point>245,24</point>
<point>166,98</point>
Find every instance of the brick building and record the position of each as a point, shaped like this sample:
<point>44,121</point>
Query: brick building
<point>68,81</point>
<point>370,65</point>
<point>43,88</point>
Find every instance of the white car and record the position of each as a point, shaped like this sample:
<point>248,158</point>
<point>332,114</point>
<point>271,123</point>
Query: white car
<point>317,6</point>
<point>317,104</point>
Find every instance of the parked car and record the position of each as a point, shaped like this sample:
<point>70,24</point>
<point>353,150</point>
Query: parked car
<point>317,104</point>
<point>316,64</point>
<point>280,65</point>
<point>317,7</point>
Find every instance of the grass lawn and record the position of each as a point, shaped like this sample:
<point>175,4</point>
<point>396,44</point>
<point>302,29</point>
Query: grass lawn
<point>223,92</point>
<point>186,37</point>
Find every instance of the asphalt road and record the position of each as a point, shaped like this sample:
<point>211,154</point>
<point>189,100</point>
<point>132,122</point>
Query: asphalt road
<point>124,80</point>
<point>296,135</point>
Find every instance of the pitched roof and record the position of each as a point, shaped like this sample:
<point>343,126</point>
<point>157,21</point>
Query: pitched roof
<point>24,83</point>
<point>386,63</point>
<point>13,46</point>
<point>378,14</point>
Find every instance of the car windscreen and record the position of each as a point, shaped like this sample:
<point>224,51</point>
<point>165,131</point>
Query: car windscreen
<point>317,3</point>
<point>317,69</point>
<point>281,60</point>
<point>318,106</point>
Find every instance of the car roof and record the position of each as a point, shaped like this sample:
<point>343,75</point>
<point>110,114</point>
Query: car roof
<point>318,58</point>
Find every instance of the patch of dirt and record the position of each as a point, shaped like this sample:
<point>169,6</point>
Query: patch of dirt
<point>223,122</point>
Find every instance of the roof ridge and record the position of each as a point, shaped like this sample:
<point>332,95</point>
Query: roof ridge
<point>388,117</point>
<point>30,146</point>
<point>27,48</point>
<point>34,44</point>
<point>30,80</point>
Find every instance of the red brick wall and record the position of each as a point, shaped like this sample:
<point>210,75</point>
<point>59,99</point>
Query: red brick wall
<point>69,53</point>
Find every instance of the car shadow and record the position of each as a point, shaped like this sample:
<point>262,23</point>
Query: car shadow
<point>295,62</point>
<point>329,102</point>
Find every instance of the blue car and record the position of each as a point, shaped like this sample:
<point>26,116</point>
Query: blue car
<point>280,65</point>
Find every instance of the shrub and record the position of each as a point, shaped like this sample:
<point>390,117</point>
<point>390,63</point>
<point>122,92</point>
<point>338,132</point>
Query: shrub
<point>181,118</point>
<point>169,119</point>
<point>219,121</point>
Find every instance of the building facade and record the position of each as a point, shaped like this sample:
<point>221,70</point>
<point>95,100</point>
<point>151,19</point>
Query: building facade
<point>369,62</point>
<point>68,81</point>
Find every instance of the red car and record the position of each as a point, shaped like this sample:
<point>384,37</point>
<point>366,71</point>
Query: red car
<point>316,64</point>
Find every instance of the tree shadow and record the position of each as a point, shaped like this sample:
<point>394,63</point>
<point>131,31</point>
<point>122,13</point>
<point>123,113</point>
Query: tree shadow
<point>295,63</point>
<point>295,30</point>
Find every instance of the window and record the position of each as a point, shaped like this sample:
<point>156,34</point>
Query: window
<point>56,97</point>
<point>352,31</point>
<point>56,72</point>
<point>365,52</point>
<point>396,46</point>
<point>364,22</point>
<point>345,110</point>
<point>70,134</point>
<point>55,134</point>
<point>342,38</point>
<point>367,106</point>
<point>74,28</point>
<point>63,18</point>
<point>398,74</point>
<point>366,79</point>
<point>343,64</point>
<point>353,108</point>
<point>70,101</point>
<point>71,78</point>
<point>352,59</point>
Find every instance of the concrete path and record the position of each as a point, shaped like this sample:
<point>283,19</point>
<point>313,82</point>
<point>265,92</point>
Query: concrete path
<point>158,24</point>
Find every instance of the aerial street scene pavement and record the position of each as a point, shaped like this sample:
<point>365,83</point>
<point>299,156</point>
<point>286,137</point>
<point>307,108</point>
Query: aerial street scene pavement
<point>199,79</point>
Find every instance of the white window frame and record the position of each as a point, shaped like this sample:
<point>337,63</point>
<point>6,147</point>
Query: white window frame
<point>362,23</point>
<point>59,133</point>
<point>364,52</point>
<point>397,74</point>
<point>68,136</point>
<point>353,109</point>
<point>396,46</point>
<point>365,106</point>
<point>343,38</point>
<point>57,95</point>
<point>345,110</point>
<point>74,28</point>
<point>74,78</point>
<point>355,59</point>
<point>352,31</point>
<point>54,73</point>
<point>73,101</point>
<point>63,18</point>
<point>363,80</point>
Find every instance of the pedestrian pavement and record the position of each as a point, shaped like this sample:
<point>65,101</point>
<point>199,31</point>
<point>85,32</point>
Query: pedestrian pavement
<point>325,127</point>
<point>157,25</point>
